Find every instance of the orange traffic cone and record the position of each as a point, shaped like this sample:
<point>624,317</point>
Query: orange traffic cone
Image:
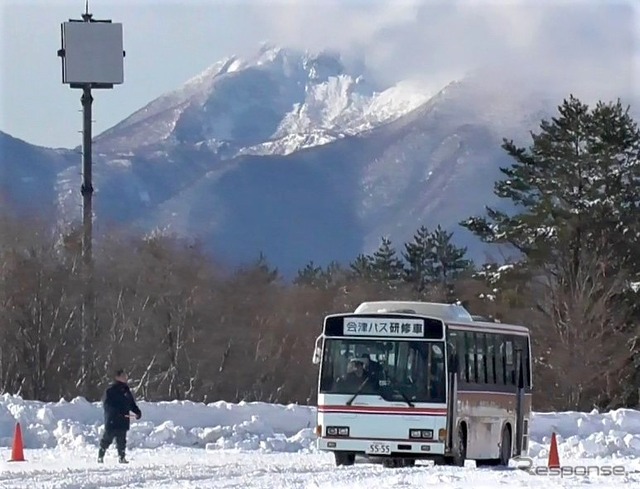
<point>17,451</point>
<point>554,458</point>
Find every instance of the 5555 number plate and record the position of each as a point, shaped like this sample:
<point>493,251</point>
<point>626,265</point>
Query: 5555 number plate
<point>379,449</point>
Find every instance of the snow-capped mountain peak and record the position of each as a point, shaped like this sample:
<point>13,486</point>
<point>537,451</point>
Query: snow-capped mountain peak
<point>277,101</point>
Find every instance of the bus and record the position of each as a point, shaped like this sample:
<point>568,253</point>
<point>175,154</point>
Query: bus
<point>404,381</point>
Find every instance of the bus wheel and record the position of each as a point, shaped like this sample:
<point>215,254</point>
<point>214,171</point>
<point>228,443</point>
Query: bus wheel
<point>441,461</point>
<point>409,462</point>
<point>461,451</point>
<point>505,447</point>
<point>395,463</point>
<point>344,458</point>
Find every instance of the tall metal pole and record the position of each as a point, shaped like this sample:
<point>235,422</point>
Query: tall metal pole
<point>87,185</point>
<point>87,235</point>
<point>89,49</point>
<point>86,189</point>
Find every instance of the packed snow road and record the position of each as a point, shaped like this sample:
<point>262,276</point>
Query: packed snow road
<point>179,467</point>
<point>182,444</point>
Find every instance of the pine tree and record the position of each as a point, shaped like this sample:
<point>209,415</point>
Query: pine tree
<point>447,259</point>
<point>362,267</point>
<point>385,265</point>
<point>576,224</point>
<point>419,257</point>
<point>334,274</point>
<point>310,275</point>
<point>574,189</point>
<point>317,277</point>
<point>259,271</point>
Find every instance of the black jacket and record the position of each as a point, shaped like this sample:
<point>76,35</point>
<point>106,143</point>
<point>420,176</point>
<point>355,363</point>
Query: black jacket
<point>118,401</point>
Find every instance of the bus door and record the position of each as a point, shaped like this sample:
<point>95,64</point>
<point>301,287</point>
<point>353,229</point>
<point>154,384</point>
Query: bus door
<point>520,379</point>
<point>453,362</point>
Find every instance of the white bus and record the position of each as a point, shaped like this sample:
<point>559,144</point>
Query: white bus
<point>401,381</point>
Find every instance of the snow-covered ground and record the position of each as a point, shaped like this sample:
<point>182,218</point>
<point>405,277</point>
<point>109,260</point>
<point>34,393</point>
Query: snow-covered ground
<point>258,445</point>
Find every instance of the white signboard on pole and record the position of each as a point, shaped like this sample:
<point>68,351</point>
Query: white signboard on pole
<point>92,53</point>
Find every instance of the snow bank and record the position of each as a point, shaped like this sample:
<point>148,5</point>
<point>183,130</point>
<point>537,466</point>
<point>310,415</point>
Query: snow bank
<point>269,427</point>
<point>279,428</point>
<point>587,435</point>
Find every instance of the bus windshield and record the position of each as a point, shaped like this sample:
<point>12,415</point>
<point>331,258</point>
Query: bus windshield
<point>395,370</point>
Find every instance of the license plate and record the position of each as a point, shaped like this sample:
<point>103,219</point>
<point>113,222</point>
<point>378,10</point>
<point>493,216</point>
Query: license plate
<point>379,449</point>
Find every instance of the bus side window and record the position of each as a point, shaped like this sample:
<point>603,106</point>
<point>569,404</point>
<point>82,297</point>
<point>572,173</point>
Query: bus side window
<point>498,346</point>
<point>528,361</point>
<point>481,358</point>
<point>461,356</point>
<point>470,353</point>
<point>489,358</point>
<point>452,352</point>
<point>510,366</point>
<point>522,343</point>
<point>461,351</point>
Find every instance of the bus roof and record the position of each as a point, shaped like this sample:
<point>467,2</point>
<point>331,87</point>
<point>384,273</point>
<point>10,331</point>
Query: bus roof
<point>445,312</point>
<point>454,315</point>
<point>483,326</point>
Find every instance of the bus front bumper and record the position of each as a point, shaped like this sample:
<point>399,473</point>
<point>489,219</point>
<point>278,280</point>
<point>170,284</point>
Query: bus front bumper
<point>381,448</point>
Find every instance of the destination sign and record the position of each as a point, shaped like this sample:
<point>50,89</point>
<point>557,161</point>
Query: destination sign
<point>363,326</point>
<point>384,325</point>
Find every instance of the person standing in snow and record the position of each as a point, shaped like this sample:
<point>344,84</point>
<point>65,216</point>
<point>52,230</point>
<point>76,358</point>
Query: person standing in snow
<point>118,402</point>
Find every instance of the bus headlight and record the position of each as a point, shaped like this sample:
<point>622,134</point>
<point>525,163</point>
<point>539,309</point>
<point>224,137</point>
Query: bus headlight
<point>337,431</point>
<point>421,434</point>
<point>442,434</point>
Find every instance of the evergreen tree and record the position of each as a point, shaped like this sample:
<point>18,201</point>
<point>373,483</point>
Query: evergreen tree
<point>385,265</point>
<point>447,259</point>
<point>334,274</point>
<point>432,257</point>
<point>315,276</point>
<point>419,257</point>
<point>362,267</point>
<point>574,189</point>
<point>310,275</point>
<point>259,271</point>
<point>576,223</point>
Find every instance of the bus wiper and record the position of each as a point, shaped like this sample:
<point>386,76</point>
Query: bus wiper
<point>396,389</point>
<point>358,391</point>
<point>405,397</point>
<point>401,392</point>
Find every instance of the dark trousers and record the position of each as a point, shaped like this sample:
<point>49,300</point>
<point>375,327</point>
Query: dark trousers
<point>120,437</point>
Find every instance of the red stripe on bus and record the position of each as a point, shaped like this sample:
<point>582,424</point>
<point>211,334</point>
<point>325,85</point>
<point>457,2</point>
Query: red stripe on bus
<point>380,410</point>
<point>382,413</point>
<point>368,438</point>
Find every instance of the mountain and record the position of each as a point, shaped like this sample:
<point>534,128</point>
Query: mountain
<point>296,155</point>
<point>435,165</point>
<point>29,174</point>
<point>277,102</point>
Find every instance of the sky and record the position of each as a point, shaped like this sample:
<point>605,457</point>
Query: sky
<point>590,48</point>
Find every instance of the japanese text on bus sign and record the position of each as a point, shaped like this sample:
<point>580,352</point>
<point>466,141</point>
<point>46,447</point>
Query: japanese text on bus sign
<point>383,327</point>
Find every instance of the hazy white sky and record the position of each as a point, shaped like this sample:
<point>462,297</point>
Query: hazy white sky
<point>590,47</point>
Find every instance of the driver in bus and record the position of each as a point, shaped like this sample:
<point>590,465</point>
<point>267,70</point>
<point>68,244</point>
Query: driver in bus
<point>373,369</point>
<point>354,377</point>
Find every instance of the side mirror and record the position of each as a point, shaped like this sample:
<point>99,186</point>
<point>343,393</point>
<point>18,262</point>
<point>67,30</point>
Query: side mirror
<point>317,351</point>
